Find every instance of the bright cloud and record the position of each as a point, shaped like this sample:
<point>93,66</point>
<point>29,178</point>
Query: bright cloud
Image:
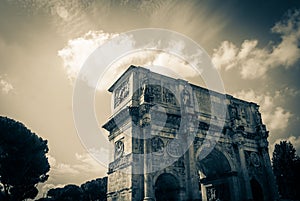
<point>278,119</point>
<point>253,61</point>
<point>77,51</point>
<point>224,57</point>
<point>275,117</point>
<point>290,91</point>
<point>5,86</point>
<point>84,167</point>
<point>62,173</point>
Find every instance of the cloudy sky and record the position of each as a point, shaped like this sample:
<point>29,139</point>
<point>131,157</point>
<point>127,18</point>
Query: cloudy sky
<point>43,44</point>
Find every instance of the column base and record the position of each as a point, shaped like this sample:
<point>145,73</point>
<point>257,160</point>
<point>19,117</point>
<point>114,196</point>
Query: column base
<point>148,199</point>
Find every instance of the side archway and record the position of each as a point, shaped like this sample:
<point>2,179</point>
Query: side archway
<point>257,192</point>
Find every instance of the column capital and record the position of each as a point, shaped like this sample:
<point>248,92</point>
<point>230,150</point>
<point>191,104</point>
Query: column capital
<point>239,139</point>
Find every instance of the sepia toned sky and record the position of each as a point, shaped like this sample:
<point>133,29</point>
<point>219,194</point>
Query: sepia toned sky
<point>43,44</point>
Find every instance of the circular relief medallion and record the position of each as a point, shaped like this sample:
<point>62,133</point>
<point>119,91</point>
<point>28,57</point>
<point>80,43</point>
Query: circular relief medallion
<point>174,148</point>
<point>119,149</point>
<point>255,159</point>
<point>157,146</point>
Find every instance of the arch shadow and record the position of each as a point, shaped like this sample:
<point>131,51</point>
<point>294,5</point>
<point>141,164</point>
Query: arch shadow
<point>257,191</point>
<point>167,188</point>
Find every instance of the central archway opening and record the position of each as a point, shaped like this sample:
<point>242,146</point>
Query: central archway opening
<point>215,177</point>
<point>167,188</point>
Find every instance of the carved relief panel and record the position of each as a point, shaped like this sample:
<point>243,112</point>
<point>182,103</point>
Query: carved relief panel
<point>157,146</point>
<point>244,114</point>
<point>168,96</point>
<point>152,93</point>
<point>121,93</point>
<point>203,99</point>
<point>233,111</point>
<point>119,149</point>
<point>186,97</point>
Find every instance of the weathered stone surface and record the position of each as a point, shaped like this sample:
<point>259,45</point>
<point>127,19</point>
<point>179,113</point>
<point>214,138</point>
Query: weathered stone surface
<point>210,145</point>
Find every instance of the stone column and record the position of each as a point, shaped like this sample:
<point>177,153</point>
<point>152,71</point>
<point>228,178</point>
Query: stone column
<point>191,169</point>
<point>148,184</point>
<point>189,126</point>
<point>184,136</point>
<point>187,176</point>
<point>239,140</point>
<point>203,188</point>
<point>194,175</point>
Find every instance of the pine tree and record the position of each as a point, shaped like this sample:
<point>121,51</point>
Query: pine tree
<point>285,163</point>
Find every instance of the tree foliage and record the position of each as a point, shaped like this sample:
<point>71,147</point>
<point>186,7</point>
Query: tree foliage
<point>23,161</point>
<point>286,166</point>
<point>70,192</point>
<point>94,190</point>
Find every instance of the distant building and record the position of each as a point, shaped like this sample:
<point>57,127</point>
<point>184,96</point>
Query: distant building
<point>177,141</point>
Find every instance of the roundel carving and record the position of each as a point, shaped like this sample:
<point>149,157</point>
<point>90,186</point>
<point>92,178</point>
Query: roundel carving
<point>254,159</point>
<point>174,148</point>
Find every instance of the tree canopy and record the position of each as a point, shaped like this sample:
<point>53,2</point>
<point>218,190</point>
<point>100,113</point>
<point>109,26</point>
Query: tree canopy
<point>70,192</point>
<point>286,165</point>
<point>94,190</point>
<point>23,161</point>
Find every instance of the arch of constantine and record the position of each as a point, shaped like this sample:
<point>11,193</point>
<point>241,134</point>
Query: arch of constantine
<point>175,141</point>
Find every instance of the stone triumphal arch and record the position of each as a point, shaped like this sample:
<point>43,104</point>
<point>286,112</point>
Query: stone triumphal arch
<point>169,145</point>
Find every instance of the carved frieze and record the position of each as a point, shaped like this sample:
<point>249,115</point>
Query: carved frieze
<point>121,162</point>
<point>157,93</point>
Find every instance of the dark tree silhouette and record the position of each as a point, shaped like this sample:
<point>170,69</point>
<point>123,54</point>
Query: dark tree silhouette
<point>70,192</point>
<point>23,161</point>
<point>285,166</point>
<point>94,190</point>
